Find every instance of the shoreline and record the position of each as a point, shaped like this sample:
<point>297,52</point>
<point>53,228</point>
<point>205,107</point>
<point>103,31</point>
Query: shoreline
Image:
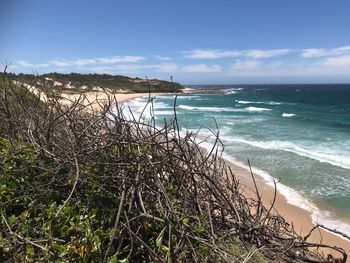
<point>95,99</point>
<point>299,218</point>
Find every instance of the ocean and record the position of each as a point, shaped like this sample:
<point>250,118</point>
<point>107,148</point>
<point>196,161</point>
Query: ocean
<point>298,134</point>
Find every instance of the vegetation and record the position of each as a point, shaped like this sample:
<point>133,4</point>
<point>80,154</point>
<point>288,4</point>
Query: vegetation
<point>77,186</point>
<point>85,82</point>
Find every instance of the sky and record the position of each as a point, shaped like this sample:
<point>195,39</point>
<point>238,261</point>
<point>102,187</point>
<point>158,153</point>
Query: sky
<point>196,42</point>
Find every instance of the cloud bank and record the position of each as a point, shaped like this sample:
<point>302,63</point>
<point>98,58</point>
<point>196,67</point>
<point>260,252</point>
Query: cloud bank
<point>230,63</point>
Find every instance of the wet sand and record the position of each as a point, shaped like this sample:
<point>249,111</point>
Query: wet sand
<point>300,218</point>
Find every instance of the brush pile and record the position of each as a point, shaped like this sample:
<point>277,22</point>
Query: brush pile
<point>77,186</point>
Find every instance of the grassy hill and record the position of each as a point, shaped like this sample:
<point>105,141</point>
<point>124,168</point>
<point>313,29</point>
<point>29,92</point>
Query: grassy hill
<point>76,82</point>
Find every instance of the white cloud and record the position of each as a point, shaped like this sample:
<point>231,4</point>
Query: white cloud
<point>324,52</point>
<point>335,66</point>
<point>216,53</point>
<point>155,67</point>
<point>201,68</point>
<point>60,63</point>
<point>312,62</point>
<point>25,64</point>
<point>245,64</point>
<point>343,49</point>
<point>342,61</point>
<point>257,53</point>
<point>313,52</point>
<point>161,58</point>
<point>135,68</point>
<point>166,68</point>
<point>68,63</point>
<point>83,62</point>
<point>119,59</point>
<point>94,61</point>
<point>210,53</point>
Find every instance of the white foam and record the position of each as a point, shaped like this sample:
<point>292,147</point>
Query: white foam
<point>258,102</point>
<point>233,90</point>
<point>214,109</point>
<point>201,99</point>
<point>138,105</point>
<point>342,161</point>
<point>287,115</point>
<point>165,112</point>
<point>256,109</point>
<point>293,197</point>
<point>331,221</point>
<point>244,102</point>
<point>274,103</point>
<point>189,97</point>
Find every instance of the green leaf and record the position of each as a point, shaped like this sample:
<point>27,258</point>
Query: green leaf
<point>186,220</point>
<point>29,250</point>
<point>12,220</point>
<point>165,249</point>
<point>113,259</point>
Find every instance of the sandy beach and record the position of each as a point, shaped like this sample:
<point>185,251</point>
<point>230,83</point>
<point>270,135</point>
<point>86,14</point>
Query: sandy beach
<point>300,219</point>
<point>296,216</point>
<point>94,100</point>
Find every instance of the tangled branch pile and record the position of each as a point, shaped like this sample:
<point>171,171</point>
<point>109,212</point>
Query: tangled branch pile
<point>98,187</point>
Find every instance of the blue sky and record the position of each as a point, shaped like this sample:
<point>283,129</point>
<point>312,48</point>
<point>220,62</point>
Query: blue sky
<point>197,42</point>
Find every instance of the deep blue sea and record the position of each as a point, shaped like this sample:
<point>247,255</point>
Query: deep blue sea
<point>299,134</point>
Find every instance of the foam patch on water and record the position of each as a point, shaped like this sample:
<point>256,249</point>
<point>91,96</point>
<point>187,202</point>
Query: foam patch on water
<point>156,112</point>
<point>233,90</point>
<point>288,115</point>
<point>213,109</point>
<point>330,220</point>
<point>293,197</point>
<point>258,102</point>
<point>244,102</point>
<point>182,97</point>
<point>333,159</point>
<point>139,105</point>
<point>201,99</point>
<point>256,109</point>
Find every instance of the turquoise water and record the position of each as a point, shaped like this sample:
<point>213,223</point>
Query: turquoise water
<point>299,134</point>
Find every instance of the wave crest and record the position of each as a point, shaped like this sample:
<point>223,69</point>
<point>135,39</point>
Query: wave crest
<point>288,115</point>
<point>256,109</point>
<point>214,109</point>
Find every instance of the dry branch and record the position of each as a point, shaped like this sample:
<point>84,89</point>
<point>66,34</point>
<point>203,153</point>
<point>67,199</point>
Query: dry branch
<point>167,199</point>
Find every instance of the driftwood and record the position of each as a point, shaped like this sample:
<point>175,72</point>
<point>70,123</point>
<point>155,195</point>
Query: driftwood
<point>153,178</point>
